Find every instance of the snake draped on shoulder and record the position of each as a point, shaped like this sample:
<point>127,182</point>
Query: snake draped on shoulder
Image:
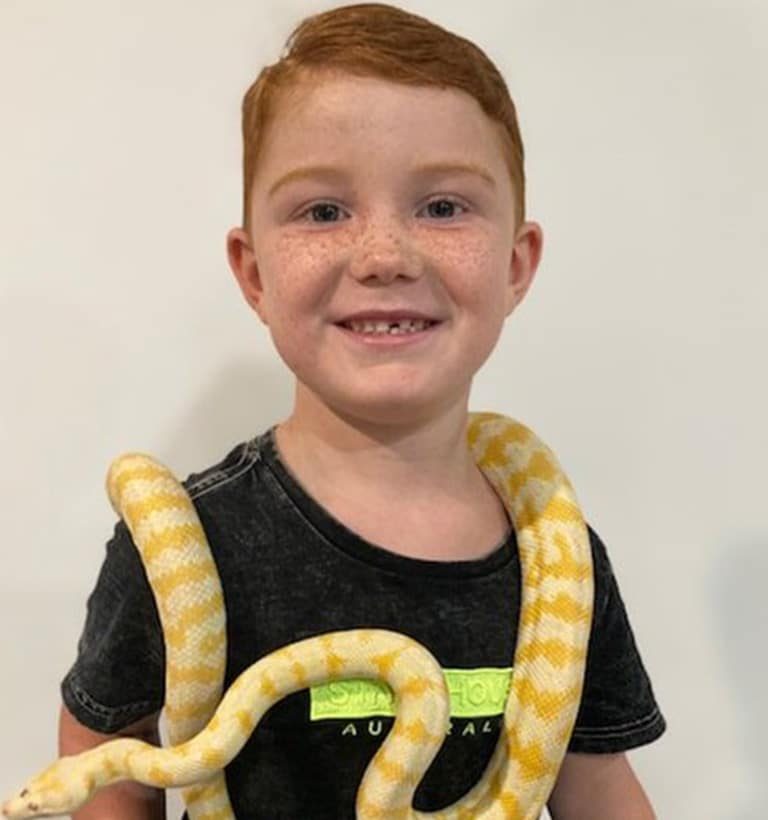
<point>207,728</point>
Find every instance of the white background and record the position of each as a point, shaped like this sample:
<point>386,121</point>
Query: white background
<point>639,355</point>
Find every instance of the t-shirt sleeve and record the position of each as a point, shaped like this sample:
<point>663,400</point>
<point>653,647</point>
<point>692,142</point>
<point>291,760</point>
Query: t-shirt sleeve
<point>618,708</point>
<point>118,675</point>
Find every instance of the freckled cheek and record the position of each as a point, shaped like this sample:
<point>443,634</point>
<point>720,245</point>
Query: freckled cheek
<point>479,276</point>
<point>298,272</point>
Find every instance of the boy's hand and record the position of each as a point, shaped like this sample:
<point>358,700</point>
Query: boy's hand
<point>598,787</point>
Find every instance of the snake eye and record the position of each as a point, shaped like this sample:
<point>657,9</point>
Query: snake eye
<point>24,793</point>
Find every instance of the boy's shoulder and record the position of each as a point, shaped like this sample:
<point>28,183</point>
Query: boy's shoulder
<point>235,464</point>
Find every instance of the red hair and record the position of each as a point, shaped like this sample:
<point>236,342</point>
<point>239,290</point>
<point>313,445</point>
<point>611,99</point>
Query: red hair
<point>385,42</point>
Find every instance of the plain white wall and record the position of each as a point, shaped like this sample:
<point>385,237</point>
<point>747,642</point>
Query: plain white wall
<point>640,354</point>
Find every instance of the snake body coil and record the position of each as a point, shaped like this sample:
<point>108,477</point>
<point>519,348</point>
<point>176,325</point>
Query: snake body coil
<point>206,731</point>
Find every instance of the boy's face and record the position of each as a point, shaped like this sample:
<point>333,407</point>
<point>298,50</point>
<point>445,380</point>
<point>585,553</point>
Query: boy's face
<point>376,196</point>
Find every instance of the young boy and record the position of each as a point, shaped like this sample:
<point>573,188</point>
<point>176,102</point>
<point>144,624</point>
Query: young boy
<point>383,184</point>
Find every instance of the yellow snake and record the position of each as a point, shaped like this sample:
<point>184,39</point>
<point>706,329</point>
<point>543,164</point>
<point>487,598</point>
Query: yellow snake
<point>207,731</point>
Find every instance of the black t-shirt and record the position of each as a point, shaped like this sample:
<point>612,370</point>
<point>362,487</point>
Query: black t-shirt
<point>290,570</point>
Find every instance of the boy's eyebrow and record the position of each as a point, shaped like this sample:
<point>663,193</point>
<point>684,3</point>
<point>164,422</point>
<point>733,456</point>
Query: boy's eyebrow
<point>430,168</point>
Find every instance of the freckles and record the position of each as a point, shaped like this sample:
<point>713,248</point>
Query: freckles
<point>471,249</point>
<point>478,258</point>
<point>472,261</point>
<point>370,247</point>
<point>306,246</point>
<point>296,256</point>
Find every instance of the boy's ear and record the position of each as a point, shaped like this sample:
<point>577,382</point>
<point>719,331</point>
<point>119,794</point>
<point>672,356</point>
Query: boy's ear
<point>526,255</point>
<point>242,261</point>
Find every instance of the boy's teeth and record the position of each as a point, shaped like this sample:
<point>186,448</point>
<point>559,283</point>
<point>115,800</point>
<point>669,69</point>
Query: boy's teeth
<point>394,328</point>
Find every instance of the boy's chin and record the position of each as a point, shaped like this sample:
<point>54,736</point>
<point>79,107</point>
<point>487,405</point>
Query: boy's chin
<point>404,411</point>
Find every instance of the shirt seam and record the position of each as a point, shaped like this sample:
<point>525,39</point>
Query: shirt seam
<point>221,477</point>
<point>617,730</point>
<point>81,696</point>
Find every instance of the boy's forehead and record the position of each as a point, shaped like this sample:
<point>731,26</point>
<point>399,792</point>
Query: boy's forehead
<point>372,113</point>
<point>339,93</point>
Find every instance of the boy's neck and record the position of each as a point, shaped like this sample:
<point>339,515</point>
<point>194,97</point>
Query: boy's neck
<point>431,457</point>
<point>415,491</point>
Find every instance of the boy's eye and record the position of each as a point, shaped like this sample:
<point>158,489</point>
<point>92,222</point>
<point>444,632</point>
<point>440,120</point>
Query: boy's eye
<point>441,208</point>
<point>323,212</point>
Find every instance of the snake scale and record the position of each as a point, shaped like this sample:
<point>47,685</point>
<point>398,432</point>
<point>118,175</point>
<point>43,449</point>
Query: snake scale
<point>205,731</point>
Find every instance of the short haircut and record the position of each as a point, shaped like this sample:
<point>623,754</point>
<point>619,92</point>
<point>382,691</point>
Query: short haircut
<point>385,42</point>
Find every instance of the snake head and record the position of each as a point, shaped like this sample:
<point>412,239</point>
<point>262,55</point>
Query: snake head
<point>56,791</point>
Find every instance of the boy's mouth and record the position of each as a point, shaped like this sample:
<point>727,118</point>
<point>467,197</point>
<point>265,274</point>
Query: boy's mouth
<point>387,334</point>
<point>377,322</point>
<point>391,327</point>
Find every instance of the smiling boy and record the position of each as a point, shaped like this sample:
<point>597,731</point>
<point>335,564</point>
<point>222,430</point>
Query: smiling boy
<point>384,244</point>
<point>423,230</point>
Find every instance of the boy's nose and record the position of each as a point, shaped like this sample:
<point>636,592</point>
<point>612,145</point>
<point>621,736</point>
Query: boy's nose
<point>385,252</point>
